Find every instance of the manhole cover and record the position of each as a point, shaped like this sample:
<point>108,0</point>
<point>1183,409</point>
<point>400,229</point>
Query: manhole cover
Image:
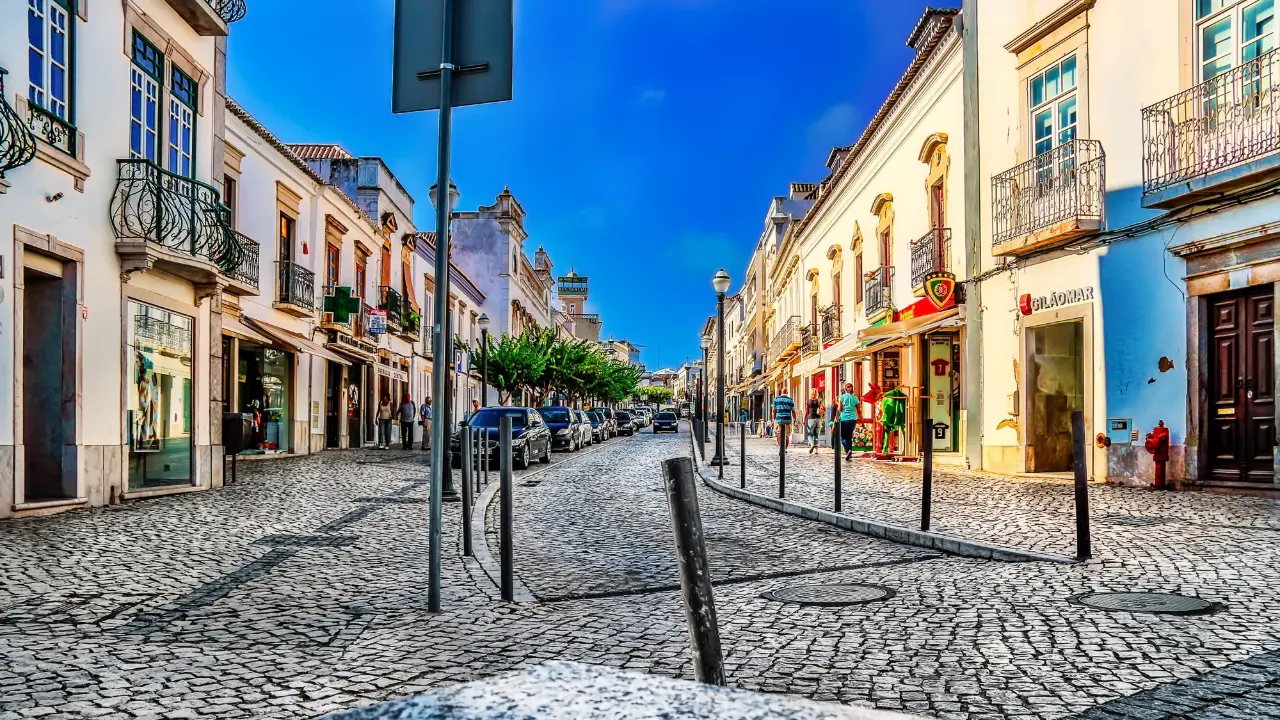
<point>842,594</point>
<point>1142,602</point>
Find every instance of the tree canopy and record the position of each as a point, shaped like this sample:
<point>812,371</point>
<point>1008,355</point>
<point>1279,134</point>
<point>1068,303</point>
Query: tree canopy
<point>538,362</point>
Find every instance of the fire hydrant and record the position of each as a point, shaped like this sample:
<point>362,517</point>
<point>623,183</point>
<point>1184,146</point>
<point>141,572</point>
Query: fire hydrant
<point>1158,446</point>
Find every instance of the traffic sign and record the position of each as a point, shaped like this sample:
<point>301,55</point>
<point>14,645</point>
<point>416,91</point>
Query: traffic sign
<point>482,53</point>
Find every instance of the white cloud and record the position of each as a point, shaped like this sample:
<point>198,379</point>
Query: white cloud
<point>834,127</point>
<point>651,96</point>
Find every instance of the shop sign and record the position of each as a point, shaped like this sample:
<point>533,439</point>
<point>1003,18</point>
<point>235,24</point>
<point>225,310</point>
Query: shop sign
<point>1028,304</point>
<point>377,322</point>
<point>940,289</point>
<point>392,373</point>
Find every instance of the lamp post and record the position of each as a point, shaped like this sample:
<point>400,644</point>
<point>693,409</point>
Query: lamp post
<point>441,475</point>
<point>721,285</point>
<point>483,322</point>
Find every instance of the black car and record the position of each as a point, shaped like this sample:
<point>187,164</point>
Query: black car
<point>530,437</point>
<point>665,420</point>
<point>565,427</point>
<point>599,429</point>
<point>625,424</point>
<point>610,422</point>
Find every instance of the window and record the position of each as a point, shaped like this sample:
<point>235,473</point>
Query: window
<point>331,255</point>
<point>182,122</point>
<point>384,268</point>
<point>886,251</point>
<point>144,99</point>
<point>1053,105</point>
<point>288,229</point>
<point>361,261</point>
<point>857,279</point>
<point>1232,32</point>
<point>49,31</point>
<point>229,198</point>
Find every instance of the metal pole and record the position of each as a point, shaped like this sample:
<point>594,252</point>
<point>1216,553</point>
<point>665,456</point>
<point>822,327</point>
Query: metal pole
<point>835,446</point>
<point>926,459</point>
<point>695,576</point>
<point>450,493</point>
<point>742,458</point>
<point>484,368</point>
<point>438,378</point>
<point>505,513</point>
<point>719,459</point>
<point>466,460</point>
<point>782,469</point>
<point>1084,545</point>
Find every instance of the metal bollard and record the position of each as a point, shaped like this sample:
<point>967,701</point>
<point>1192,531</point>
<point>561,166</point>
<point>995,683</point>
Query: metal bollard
<point>742,460</point>
<point>782,467</point>
<point>695,576</point>
<point>487,454</point>
<point>1084,545</point>
<point>926,459</point>
<point>466,460</point>
<point>506,515</point>
<point>835,445</point>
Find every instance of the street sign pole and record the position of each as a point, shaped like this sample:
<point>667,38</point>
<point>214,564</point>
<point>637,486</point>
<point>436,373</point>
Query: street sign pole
<point>439,384</point>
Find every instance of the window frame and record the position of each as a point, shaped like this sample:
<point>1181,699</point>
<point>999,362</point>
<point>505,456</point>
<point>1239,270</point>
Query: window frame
<point>332,267</point>
<point>149,81</point>
<point>231,197</point>
<point>1053,104</point>
<point>1233,11</point>
<point>180,109</point>
<point>286,237</point>
<point>69,12</point>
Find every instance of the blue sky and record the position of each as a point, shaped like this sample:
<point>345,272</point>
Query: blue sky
<point>644,140</point>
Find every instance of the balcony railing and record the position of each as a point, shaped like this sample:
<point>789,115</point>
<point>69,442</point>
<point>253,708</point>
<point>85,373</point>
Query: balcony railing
<point>178,213</point>
<point>1064,184</point>
<point>809,338</point>
<point>390,300</point>
<point>831,330</point>
<point>164,334</point>
<point>52,129</point>
<point>783,341</point>
<point>229,10</point>
<point>1222,122</point>
<point>296,286</point>
<point>930,254</point>
<point>246,273</point>
<point>17,142</point>
<point>875,290</point>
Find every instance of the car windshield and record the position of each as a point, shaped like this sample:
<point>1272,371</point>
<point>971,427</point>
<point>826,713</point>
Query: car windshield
<point>624,417</point>
<point>489,417</point>
<point>595,417</point>
<point>666,416</point>
<point>554,415</point>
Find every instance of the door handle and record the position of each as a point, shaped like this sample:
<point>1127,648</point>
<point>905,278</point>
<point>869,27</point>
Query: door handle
<point>1249,384</point>
<point>1239,383</point>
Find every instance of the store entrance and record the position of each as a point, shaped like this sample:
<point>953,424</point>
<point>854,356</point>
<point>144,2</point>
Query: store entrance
<point>265,376</point>
<point>1241,395</point>
<point>333,402</point>
<point>1055,378</point>
<point>46,426</point>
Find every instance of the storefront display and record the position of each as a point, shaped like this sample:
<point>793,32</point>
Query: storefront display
<point>264,376</point>
<point>1056,383</point>
<point>158,396</point>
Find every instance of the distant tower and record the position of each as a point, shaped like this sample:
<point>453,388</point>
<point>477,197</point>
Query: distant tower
<point>572,290</point>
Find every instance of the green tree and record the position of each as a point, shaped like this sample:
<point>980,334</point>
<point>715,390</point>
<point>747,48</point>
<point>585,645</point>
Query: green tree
<point>656,394</point>
<point>515,364</point>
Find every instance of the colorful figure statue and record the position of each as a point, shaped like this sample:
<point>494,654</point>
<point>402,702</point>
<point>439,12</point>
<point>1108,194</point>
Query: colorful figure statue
<point>893,418</point>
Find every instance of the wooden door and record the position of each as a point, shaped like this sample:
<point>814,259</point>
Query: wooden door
<point>1241,392</point>
<point>937,219</point>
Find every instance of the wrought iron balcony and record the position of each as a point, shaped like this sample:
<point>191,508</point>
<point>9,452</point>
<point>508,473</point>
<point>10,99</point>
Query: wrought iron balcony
<point>229,10</point>
<point>166,220</point>
<point>209,17</point>
<point>163,334</point>
<point>876,295</point>
<point>786,341</point>
<point>17,142</point>
<point>411,324</point>
<point>1222,123</point>
<point>831,330</point>
<point>930,254</point>
<point>244,279</point>
<point>55,131</point>
<point>295,289</point>
<point>390,300</point>
<point>1053,197</point>
<point>809,338</point>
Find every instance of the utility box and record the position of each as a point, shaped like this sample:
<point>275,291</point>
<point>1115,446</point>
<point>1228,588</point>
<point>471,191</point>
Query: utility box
<point>1120,431</point>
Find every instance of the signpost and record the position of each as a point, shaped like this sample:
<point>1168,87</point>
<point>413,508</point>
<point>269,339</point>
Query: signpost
<point>448,53</point>
<point>377,322</point>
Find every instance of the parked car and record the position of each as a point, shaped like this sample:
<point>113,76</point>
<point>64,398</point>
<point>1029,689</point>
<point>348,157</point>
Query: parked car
<point>640,417</point>
<point>599,431</point>
<point>666,421</point>
<point>530,437</point>
<point>646,415</point>
<point>584,425</point>
<point>566,428</point>
<point>611,422</point>
<point>686,409</point>
<point>626,424</point>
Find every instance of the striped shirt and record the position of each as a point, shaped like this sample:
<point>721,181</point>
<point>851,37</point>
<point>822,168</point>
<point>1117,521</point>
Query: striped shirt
<point>784,409</point>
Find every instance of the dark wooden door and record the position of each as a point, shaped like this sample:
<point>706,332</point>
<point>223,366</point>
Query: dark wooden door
<point>1242,433</point>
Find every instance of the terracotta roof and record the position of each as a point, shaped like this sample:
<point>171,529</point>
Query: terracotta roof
<point>320,151</point>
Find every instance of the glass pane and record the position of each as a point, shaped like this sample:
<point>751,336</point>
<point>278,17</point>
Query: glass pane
<point>1043,126</point>
<point>158,409</point>
<point>35,30</point>
<point>1044,146</point>
<point>1215,68</point>
<point>1037,90</point>
<point>1057,389</point>
<point>1067,114</point>
<point>1258,30</point>
<point>1051,86</point>
<point>1215,40</point>
<point>1069,74</point>
<point>1205,8</point>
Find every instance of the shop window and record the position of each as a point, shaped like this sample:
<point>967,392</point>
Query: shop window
<point>264,376</point>
<point>158,410</point>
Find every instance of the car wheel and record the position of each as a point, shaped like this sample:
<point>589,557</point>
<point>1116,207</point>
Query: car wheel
<point>522,461</point>
<point>546,455</point>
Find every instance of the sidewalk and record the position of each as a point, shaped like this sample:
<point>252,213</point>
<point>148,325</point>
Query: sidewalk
<point>1037,515</point>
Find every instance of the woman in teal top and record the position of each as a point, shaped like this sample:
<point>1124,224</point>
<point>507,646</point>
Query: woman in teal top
<point>848,419</point>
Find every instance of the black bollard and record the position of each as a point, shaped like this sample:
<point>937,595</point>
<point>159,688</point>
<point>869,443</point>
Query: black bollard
<point>506,514</point>
<point>695,576</point>
<point>926,459</point>
<point>742,459</point>
<point>467,458</point>
<point>835,446</point>
<point>782,466</point>
<point>1084,545</point>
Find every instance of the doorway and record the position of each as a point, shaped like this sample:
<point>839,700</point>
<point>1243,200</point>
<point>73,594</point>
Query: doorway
<point>46,430</point>
<point>1241,392</point>
<point>333,397</point>
<point>1056,387</point>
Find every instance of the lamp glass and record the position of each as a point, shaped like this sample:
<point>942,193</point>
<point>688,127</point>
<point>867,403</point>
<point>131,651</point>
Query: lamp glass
<point>434,194</point>
<point>721,282</point>
<point>483,321</point>
<point>706,343</point>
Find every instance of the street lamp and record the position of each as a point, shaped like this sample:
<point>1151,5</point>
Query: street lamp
<point>434,193</point>
<point>483,322</point>
<point>721,285</point>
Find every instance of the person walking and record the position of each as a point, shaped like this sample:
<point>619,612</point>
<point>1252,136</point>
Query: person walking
<point>385,412</point>
<point>475,408</point>
<point>424,419</point>
<point>813,421</point>
<point>848,419</point>
<point>784,411</point>
<point>407,411</point>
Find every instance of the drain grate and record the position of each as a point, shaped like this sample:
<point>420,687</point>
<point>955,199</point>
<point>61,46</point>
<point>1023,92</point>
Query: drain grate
<point>1147,602</point>
<point>830,595</point>
<point>1132,520</point>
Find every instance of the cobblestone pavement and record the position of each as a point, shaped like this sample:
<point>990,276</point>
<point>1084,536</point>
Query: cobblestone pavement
<point>301,590</point>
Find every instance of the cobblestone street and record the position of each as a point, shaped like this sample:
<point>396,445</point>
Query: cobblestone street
<point>302,589</point>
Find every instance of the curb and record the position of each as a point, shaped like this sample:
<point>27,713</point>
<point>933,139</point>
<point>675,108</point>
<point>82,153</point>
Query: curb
<point>883,531</point>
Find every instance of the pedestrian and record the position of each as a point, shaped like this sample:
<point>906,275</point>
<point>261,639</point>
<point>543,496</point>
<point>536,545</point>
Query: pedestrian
<point>385,412</point>
<point>813,421</point>
<point>784,410</point>
<point>475,408</point>
<point>407,411</point>
<point>848,419</point>
<point>424,419</point>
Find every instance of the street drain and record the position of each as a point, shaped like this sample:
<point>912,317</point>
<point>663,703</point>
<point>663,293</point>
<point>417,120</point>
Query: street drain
<point>830,595</point>
<point>1132,520</point>
<point>1143,602</point>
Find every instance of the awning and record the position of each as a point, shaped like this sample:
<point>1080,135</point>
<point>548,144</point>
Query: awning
<point>295,342</point>
<point>914,326</point>
<point>233,326</point>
